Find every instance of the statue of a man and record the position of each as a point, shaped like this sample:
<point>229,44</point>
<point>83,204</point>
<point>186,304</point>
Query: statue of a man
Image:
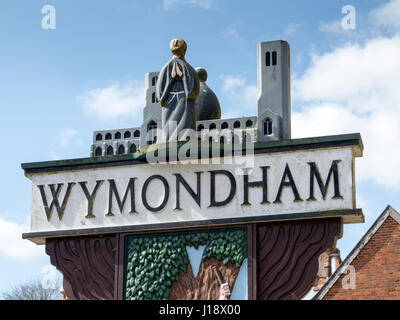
<point>177,89</point>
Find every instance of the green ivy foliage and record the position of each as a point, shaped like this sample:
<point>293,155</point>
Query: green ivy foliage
<point>153,262</point>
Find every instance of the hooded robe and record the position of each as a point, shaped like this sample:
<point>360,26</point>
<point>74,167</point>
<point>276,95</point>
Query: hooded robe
<point>177,89</point>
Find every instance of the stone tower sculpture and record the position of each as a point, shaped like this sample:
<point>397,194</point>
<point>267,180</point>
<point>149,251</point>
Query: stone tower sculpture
<point>151,111</point>
<point>273,59</point>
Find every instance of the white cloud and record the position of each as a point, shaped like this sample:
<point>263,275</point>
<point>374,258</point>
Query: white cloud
<point>13,246</point>
<point>114,101</point>
<point>231,83</point>
<point>242,96</point>
<point>54,155</point>
<point>355,89</point>
<point>360,77</point>
<point>231,32</point>
<point>334,27</point>
<point>69,136</point>
<point>291,29</point>
<point>388,15</point>
<point>172,4</point>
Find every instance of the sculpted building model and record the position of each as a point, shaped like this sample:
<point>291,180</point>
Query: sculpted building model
<point>271,123</point>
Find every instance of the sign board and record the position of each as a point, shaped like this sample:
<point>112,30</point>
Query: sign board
<point>293,184</point>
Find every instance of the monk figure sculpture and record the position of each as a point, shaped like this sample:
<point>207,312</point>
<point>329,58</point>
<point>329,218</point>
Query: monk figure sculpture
<point>177,89</point>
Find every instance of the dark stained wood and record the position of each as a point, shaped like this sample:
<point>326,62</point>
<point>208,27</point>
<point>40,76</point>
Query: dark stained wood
<point>287,255</point>
<point>251,261</point>
<point>87,265</point>
<point>120,268</point>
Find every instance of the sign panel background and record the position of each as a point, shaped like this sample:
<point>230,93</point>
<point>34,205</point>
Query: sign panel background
<point>76,208</point>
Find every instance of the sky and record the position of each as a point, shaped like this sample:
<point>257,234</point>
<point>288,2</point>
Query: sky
<point>58,85</point>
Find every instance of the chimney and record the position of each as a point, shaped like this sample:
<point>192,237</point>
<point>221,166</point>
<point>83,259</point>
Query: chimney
<point>328,262</point>
<point>335,260</point>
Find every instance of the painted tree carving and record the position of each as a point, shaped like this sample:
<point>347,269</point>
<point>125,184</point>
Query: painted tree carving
<point>158,267</point>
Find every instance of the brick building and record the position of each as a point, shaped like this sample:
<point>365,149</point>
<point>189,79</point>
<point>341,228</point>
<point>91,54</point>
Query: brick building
<point>372,269</point>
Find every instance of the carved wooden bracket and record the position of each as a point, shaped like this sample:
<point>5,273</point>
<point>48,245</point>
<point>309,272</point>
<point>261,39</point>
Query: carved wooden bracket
<point>283,256</point>
<point>87,264</point>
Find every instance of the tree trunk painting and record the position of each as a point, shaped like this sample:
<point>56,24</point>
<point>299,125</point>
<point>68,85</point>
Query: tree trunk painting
<point>205,286</point>
<point>158,266</point>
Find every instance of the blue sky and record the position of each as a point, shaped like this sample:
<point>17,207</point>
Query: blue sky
<point>58,86</point>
